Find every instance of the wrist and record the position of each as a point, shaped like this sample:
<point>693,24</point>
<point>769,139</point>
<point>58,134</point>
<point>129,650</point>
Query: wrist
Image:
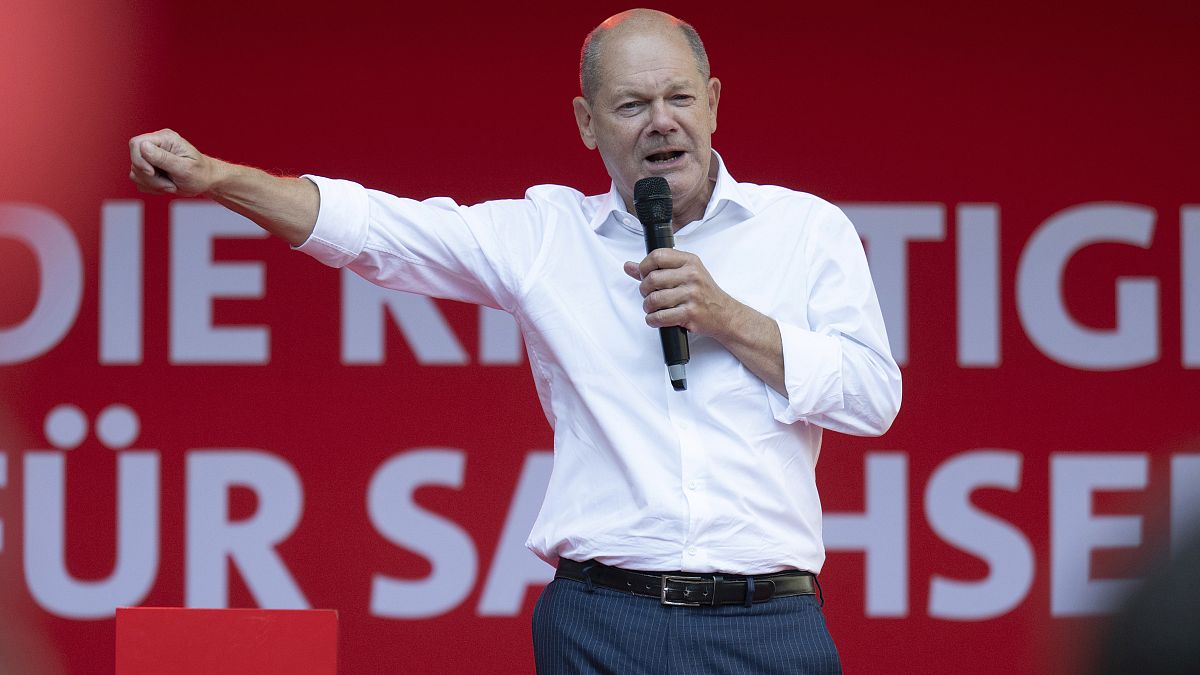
<point>220,175</point>
<point>733,319</point>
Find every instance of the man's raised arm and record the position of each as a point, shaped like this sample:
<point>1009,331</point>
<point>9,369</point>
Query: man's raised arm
<point>164,163</point>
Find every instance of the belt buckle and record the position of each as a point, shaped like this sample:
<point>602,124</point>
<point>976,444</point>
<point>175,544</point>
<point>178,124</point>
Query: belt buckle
<point>666,578</point>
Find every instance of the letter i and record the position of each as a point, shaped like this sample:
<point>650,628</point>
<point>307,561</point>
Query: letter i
<point>121,282</point>
<point>3,484</point>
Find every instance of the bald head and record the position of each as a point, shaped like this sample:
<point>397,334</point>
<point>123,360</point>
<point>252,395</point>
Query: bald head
<point>640,21</point>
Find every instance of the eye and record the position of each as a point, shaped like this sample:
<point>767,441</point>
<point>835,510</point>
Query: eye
<point>683,99</point>
<point>629,107</point>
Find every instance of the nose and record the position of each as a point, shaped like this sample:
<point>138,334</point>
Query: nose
<point>662,118</point>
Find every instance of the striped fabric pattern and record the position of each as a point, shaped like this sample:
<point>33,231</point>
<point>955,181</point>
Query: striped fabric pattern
<point>578,631</point>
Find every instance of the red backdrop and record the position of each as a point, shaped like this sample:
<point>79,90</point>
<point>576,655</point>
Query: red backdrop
<point>1047,443</point>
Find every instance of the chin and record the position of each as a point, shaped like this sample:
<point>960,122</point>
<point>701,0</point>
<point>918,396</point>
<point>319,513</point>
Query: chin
<point>683,181</point>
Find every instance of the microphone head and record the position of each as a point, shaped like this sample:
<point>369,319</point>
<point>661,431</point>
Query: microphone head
<point>652,200</point>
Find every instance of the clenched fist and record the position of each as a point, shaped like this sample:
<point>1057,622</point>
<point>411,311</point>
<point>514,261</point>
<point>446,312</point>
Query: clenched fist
<point>679,291</point>
<point>164,163</point>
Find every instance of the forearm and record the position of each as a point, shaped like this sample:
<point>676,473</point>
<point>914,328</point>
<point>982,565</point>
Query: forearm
<point>754,339</point>
<point>285,207</point>
<point>163,162</point>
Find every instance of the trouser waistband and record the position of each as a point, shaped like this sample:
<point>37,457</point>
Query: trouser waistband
<point>691,589</point>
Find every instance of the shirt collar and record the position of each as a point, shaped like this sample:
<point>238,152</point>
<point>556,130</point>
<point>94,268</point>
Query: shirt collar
<point>726,194</point>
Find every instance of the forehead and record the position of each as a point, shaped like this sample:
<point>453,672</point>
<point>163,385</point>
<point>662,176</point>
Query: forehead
<point>635,58</point>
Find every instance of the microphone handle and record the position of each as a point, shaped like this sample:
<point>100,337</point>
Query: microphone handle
<point>674,338</point>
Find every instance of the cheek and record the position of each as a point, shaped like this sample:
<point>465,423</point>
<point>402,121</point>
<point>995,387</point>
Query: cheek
<point>619,135</point>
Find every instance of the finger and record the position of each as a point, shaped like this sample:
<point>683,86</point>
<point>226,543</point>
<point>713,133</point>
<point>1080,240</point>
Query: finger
<point>154,183</point>
<point>631,268</point>
<point>669,257</point>
<point>664,298</point>
<point>162,159</point>
<point>135,155</point>
<point>152,191</point>
<point>663,258</point>
<point>646,266</point>
<point>673,316</point>
<point>656,279</point>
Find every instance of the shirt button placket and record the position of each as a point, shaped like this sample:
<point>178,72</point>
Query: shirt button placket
<point>692,462</point>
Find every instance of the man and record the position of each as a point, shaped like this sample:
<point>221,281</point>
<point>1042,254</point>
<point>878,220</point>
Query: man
<point>718,481</point>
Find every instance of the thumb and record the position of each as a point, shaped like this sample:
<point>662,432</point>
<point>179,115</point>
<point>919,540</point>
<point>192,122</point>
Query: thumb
<point>631,268</point>
<point>162,159</point>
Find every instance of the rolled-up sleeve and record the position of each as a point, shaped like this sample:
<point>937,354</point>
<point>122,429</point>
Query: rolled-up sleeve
<point>341,229</point>
<point>838,371</point>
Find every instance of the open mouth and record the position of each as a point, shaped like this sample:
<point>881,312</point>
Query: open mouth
<point>664,157</point>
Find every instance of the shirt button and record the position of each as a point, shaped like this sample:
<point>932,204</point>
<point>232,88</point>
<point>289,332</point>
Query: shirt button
<point>692,485</point>
<point>692,551</point>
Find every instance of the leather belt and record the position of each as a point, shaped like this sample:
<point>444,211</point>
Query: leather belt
<point>690,589</point>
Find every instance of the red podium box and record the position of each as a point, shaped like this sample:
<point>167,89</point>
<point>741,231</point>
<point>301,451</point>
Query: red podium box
<point>228,641</point>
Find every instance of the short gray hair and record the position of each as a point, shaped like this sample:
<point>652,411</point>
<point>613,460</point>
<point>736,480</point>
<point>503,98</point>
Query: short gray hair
<point>589,57</point>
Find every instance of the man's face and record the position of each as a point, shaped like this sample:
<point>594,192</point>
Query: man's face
<point>653,115</point>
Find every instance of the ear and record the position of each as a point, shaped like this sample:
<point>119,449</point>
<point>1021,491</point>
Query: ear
<point>714,97</point>
<point>583,119</point>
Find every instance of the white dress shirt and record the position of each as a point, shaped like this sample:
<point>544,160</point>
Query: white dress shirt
<point>718,478</point>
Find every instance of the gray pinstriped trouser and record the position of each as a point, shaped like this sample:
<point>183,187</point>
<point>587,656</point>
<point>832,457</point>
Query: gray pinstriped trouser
<point>578,631</point>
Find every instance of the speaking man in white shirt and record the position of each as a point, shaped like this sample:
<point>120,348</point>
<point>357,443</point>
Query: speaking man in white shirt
<point>685,525</point>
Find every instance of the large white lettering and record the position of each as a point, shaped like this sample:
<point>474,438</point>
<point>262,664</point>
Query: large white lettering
<point>886,230</point>
<point>196,280</point>
<point>3,484</point>
<point>1189,223</point>
<point>1075,531</point>
<point>499,338</point>
<point>212,538</point>
<point>50,583</point>
<point>121,282</point>
<point>446,545</point>
<point>1134,340</point>
<point>1003,547</point>
<point>978,267</point>
<point>60,281</point>
<point>423,326</point>
<point>880,531</point>
<point>514,567</point>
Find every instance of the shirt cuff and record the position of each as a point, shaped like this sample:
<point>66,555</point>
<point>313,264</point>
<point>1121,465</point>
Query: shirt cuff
<point>812,374</point>
<point>342,220</point>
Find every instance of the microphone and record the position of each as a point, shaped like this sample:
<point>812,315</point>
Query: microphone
<point>652,201</point>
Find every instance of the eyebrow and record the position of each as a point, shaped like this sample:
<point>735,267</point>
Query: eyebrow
<point>672,86</point>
